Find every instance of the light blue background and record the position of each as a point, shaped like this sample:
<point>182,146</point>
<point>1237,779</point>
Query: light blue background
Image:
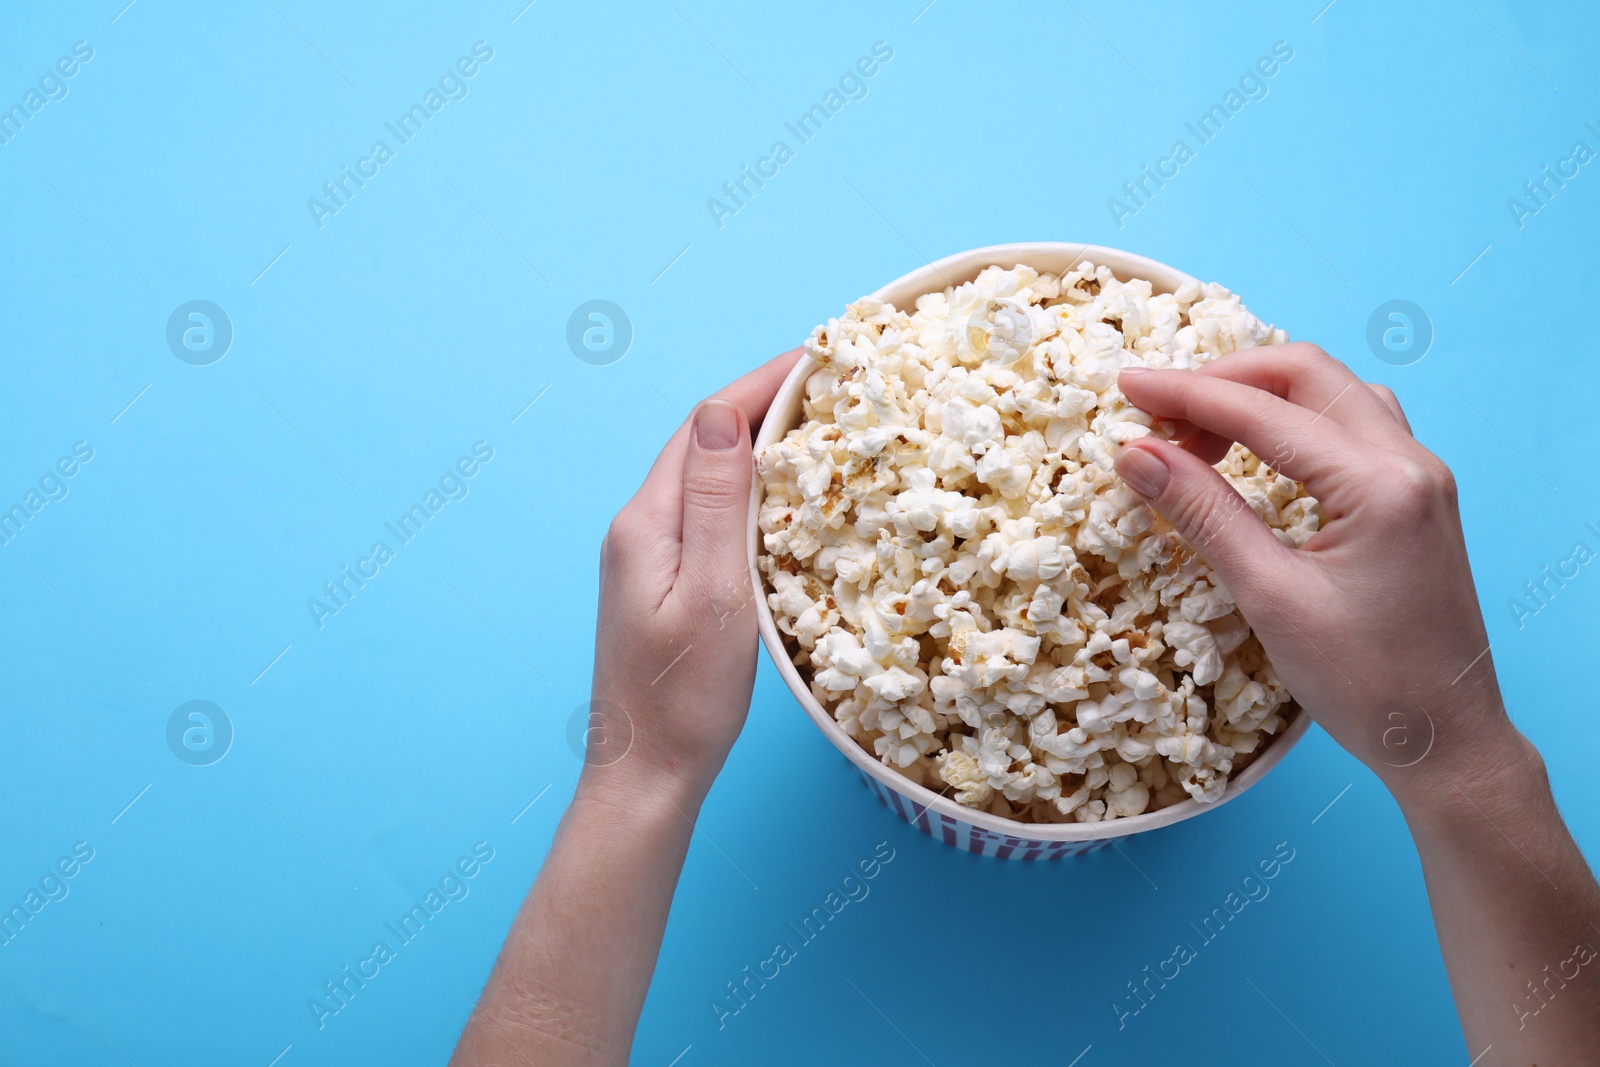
<point>426,315</point>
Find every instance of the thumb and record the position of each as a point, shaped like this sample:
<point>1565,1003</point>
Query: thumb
<point>716,499</point>
<point>1207,513</point>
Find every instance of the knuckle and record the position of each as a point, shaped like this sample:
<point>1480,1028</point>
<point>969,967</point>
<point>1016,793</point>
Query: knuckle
<point>1308,357</point>
<point>1311,359</point>
<point>1387,397</point>
<point>1444,479</point>
<point>1419,489</point>
<point>624,535</point>
<point>1304,352</point>
<point>708,491</point>
<point>1201,518</point>
<point>1261,409</point>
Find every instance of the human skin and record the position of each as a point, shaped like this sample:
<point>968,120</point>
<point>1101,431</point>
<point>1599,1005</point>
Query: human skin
<point>675,659</point>
<point>1373,624</point>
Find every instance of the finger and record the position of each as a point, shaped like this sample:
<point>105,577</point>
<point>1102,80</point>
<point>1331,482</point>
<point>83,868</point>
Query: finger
<point>716,501</point>
<point>1203,443</point>
<point>1392,402</point>
<point>1313,450</point>
<point>645,537</point>
<point>755,391</point>
<point>1211,517</point>
<point>662,491</point>
<point>1306,376</point>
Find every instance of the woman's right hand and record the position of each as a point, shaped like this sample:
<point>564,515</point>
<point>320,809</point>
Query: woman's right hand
<point>1373,624</point>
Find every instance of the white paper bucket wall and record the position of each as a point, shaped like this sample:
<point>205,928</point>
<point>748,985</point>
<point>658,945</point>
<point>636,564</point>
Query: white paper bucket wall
<point>940,816</point>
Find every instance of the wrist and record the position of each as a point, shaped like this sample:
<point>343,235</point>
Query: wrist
<point>656,748</point>
<point>1495,773</point>
<point>637,789</point>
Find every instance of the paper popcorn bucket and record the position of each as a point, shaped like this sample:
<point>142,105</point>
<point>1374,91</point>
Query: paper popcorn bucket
<point>940,816</point>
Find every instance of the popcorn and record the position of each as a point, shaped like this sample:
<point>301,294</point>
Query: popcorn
<point>973,593</point>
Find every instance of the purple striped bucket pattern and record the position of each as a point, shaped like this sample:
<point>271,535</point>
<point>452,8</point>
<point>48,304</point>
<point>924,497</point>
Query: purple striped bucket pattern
<point>975,839</point>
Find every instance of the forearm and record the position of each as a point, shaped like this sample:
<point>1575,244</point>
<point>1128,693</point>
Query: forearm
<point>1516,907</point>
<point>571,980</point>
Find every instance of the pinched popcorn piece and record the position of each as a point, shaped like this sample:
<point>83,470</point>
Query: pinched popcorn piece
<point>968,586</point>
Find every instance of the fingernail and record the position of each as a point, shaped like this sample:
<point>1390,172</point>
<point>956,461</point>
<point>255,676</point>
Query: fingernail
<point>1134,372</point>
<point>1144,471</point>
<point>716,426</point>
